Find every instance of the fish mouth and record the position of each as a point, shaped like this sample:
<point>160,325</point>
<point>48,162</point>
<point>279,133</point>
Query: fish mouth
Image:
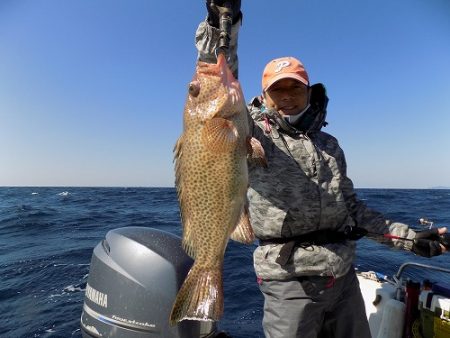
<point>224,82</point>
<point>219,69</point>
<point>208,69</point>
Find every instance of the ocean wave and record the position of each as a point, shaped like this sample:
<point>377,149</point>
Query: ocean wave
<point>49,240</point>
<point>64,193</point>
<point>73,288</point>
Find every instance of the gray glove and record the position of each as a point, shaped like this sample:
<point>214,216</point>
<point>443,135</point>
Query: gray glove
<point>216,7</point>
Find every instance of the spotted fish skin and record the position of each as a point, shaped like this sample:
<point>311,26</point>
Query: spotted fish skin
<point>211,180</point>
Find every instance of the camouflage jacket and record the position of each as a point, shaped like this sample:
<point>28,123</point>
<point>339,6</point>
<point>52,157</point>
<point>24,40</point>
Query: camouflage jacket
<point>304,188</point>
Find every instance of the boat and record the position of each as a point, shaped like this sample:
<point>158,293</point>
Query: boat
<point>397,307</point>
<point>122,299</point>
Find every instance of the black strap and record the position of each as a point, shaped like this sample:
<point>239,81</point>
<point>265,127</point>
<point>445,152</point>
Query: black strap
<point>285,253</point>
<point>319,237</point>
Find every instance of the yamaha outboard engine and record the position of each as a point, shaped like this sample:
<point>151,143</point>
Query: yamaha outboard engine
<point>134,277</point>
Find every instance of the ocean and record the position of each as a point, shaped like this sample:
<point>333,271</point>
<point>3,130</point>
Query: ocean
<point>47,236</point>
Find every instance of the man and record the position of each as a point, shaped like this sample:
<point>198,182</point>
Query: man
<point>303,207</point>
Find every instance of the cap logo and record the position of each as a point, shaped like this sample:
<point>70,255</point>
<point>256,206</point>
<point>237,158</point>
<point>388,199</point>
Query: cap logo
<point>280,65</point>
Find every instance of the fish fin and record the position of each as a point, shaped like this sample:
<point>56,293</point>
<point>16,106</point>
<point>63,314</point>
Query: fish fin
<point>256,152</point>
<point>177,148</point>
<point>200,297</point>
<point>243,232</point>
<point>188,235</point>
<point>178,153</point>
<point>220,135</point>
<point>188,242</point>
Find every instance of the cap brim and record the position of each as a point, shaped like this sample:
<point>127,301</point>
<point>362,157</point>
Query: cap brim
<point>286,76</point>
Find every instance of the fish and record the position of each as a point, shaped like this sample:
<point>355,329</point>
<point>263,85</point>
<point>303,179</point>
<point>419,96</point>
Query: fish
<point>211,177</point>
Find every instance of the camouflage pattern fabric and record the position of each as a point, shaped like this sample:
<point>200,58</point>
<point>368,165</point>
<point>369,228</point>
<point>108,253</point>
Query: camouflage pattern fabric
<point>207,40</point>
<point>304,188</point>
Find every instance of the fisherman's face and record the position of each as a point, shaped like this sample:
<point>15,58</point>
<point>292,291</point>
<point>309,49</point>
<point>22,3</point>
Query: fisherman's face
<point>287,96</point>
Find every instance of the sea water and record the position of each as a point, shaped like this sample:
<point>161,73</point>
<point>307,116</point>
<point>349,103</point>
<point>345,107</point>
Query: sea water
<point>47,236</point>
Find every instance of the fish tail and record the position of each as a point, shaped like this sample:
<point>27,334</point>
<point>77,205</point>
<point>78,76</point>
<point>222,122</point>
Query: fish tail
<point>200,297</point>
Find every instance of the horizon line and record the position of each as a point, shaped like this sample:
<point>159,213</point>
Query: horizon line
<point>173,187</point>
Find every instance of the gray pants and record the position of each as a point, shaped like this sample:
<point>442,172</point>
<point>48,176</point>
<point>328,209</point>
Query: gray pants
<point>314,307</point>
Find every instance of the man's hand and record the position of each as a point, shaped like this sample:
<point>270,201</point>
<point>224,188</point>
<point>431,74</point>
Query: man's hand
<point>429,243</point>
<point>216,7</point>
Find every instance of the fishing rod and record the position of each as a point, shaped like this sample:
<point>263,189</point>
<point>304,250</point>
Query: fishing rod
<point>444,239</point>
<point>225,12</point>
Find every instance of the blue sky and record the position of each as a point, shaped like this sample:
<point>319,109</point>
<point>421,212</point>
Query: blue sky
<point>92,91</point>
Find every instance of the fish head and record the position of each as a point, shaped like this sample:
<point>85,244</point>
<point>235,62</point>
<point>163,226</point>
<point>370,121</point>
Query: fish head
<point>213,92</point>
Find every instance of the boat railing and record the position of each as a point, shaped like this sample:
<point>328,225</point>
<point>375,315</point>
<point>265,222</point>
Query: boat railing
<point>419,265</point>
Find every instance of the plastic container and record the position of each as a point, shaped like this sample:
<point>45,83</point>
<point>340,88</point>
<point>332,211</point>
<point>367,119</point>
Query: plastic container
<point>442,328</point>
<point>442,289</point>
<point>376,316</point>
<point>393,319</point>
<point>376,295</point>
<point>441,308</point>
<point>426,315</point>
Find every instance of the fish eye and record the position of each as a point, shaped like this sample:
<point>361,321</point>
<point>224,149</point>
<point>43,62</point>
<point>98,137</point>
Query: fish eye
<point>194,88</point>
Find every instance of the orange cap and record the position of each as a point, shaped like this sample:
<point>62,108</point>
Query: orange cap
<point>281,68</point>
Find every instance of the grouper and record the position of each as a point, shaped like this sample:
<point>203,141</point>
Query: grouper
<point>211,180</point>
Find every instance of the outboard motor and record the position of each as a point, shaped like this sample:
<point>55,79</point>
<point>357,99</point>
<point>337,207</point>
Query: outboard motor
<point>134,277</point>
